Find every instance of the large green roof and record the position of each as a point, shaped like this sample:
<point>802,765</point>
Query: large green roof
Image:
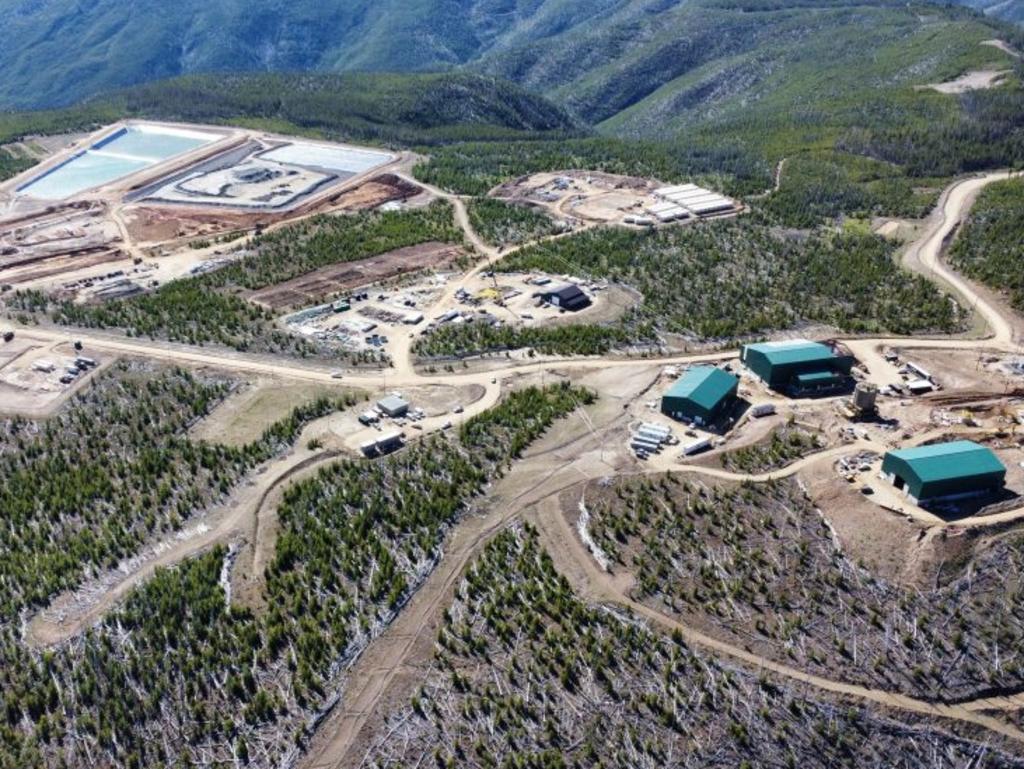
<point>794,351</point>
<point>945,461</point>
<point>704,385</point>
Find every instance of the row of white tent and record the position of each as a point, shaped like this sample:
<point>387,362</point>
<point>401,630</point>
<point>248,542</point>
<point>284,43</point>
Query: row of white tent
<point>684,200</point>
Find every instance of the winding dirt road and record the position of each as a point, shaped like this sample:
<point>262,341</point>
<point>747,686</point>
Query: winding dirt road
<point>926,254</point>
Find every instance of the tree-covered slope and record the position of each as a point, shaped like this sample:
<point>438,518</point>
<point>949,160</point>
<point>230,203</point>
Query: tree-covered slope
<point>405,107</point>
<point>801,72</point>
<point>601,56</point>
<point>56,51</point>
<point>392,108</point>
<point>989,247</point>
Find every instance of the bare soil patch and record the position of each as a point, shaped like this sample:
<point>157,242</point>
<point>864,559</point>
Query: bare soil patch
<point>159,224</point>
<point>958,370</point>
<point>977,80</point>
<point>882,542</point>
<point>375,192</point>
<point>320,284</point>
<point>436,400</point>
<point>156,223</point>
<point>55,240</point>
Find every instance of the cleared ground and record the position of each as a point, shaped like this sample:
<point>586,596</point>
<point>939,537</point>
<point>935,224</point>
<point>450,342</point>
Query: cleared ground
<point>329,281</point>
<point>243,416</point>
<point>31,372</point>
<point>971,81</point>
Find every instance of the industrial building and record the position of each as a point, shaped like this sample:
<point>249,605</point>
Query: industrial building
<point>667,211</point>
<point>798,366</point>
<point>944,471</point>
<point>692,200</point>
<point>393,406</point>
<point>701,396</point>
<point>568,297</point>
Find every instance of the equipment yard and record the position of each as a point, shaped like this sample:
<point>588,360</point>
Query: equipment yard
<point>36,378</point>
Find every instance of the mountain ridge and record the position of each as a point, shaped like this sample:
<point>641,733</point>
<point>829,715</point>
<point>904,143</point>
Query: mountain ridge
<point>116,45</point>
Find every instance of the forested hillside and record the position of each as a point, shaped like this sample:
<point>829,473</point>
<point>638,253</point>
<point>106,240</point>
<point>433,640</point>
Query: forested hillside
<point>394,109</point>
<point>118,45</point>
<point>180,675</point>
<point>601,57</point>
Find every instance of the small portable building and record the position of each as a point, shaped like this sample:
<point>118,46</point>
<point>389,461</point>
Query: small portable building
<point>920,386</point>
<point>702,395</point>
<point>798,366</point>
<point>696,447</point>
<point>944,471</point>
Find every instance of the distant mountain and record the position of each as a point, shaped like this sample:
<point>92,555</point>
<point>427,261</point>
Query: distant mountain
<point>407,108</point>
<point>1010,10</point>
<point>637,66</point>
<point>411,109</point>
<point>57,51</point>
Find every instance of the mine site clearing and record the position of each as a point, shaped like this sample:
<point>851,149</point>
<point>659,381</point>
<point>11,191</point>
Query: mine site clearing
<point>37,378</point>
<point>574,197</point>
<point>194,165</point>
<point>860,400</point>
<point>132,205</point>
<point>369,318</point>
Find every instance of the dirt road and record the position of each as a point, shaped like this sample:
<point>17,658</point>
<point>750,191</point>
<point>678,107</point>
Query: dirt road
<point>926,254</point>
<point>387,670</point>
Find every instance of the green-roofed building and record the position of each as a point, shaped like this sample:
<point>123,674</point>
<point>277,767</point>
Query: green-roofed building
<point>945,471</point>
<point>798,366</point>
<point>701,396</point>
